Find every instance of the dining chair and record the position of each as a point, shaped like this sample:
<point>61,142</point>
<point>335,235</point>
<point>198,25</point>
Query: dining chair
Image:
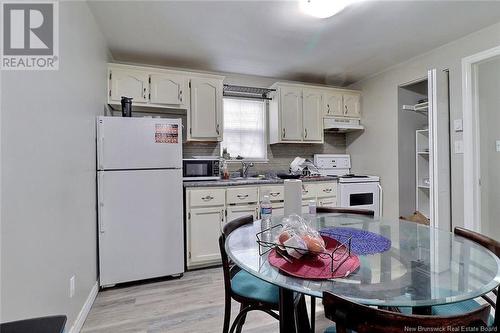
<point>468,305</point>
<point>252,293</point>
<point>341,210</point>
<point>348,315</point>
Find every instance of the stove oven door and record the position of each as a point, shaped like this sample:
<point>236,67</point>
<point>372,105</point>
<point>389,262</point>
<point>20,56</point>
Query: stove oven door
<point>360,196</point>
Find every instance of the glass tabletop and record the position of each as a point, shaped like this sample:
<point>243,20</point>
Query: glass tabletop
<point>424,266</point>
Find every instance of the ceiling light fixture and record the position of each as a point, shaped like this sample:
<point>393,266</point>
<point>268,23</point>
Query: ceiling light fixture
<point>323,8</point>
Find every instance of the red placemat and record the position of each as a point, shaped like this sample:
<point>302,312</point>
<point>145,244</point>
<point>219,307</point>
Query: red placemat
<point>317,267</point>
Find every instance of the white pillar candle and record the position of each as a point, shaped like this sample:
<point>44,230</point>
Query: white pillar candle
<point>293,197</point>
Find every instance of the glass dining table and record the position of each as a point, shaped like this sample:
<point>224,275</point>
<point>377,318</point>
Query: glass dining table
<point>424,266</point>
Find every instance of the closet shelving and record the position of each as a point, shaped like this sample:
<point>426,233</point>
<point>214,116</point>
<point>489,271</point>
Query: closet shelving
<point>422,108</point>
<point>422,171</point>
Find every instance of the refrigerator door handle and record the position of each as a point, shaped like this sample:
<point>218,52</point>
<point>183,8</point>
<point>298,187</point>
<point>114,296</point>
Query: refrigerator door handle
<point>100,211</point>
<point>101,153</point>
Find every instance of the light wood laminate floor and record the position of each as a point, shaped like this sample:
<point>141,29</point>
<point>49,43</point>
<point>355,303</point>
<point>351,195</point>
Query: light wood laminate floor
<point>191,304</point>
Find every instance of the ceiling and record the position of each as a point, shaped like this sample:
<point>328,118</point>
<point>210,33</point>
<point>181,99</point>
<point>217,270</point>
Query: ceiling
<point>274,39</point>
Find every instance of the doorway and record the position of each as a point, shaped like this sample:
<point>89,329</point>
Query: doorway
<point>482,142</point>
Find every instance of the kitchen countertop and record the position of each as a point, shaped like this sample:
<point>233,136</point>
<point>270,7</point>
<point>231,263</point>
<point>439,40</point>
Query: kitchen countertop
<point>252,181</point>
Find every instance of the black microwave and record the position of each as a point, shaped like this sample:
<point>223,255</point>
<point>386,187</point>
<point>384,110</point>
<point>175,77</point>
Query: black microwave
<point>200,169</point>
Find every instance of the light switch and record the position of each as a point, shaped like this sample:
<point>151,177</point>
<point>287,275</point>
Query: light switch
<point>459,147</point>
<point>458,125</point>
<point>498,145</point>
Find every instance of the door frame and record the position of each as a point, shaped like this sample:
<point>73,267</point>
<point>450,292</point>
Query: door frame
<point>472,191</point>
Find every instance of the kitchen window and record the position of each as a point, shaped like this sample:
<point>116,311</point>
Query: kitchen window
<point>244,129</point>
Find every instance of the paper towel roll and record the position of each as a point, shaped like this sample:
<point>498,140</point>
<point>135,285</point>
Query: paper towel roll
<point>293,197</point>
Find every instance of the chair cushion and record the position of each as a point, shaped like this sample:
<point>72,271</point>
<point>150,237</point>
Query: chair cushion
<point>246,285</point>
<point>458,308</point>
<point>331,329</point>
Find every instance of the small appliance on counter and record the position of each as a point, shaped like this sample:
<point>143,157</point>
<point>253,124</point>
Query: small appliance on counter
<point>357,191</point>
<point>303,167</point>
<point>204,168</point>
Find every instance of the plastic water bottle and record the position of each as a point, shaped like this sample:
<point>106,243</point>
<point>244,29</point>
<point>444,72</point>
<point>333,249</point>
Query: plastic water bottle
<point>312,207</point>
<point>266,212</point>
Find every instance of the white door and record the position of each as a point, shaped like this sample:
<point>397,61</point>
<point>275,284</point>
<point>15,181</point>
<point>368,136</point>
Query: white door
<point>351,105</point>
<point>233,212</point>
<point>291,113</point>
<point>140,224</point>
<point>206,109</point>
<point>312,115</point>
<point>129,83</point>
<point>204,228</point>
<point>169,89</point>
<point>439,133</point>
<point>138,143</point>
<point>332,104</point>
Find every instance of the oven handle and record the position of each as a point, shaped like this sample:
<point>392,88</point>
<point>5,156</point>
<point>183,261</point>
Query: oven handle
<point>381,201</point>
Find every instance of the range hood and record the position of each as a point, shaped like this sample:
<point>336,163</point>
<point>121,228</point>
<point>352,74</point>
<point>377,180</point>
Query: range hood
<point>341,124</point>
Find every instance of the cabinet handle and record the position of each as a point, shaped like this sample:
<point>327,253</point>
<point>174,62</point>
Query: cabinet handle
<point>180,95</point>
<point>328,108</point>
<point>217,129</point>
<point>305,132</point>
<point>345,109</point>
<point>274,194</point>
<point>241,196</point>
<point>207,198</point>
<point>327,190</point>
<point>144,93</point>
<point>305,191</point>
<point>284,132</point>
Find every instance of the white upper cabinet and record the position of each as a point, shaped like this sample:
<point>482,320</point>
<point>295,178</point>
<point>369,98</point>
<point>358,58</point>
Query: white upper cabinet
<point>312,115</point>
<point>291,113</point>
<point>205,118</point>
<point>332,103</point>
<point>128,83</point>
<point>351,105</point>
<point>169,89</point>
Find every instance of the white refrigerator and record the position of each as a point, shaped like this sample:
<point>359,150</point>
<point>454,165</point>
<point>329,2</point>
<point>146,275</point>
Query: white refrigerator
<point>139,189</point>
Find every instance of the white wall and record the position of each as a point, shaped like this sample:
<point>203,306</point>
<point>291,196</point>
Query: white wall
<point>48,174</point>
<point>376,151</point>
<point>488,76</point>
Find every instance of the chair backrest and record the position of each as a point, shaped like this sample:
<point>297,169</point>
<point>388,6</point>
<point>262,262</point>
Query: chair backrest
<point>487,242</point>
<point>227,267</point>
<point>365,319</point>
<point>493,246</point>
<point>340,210</point>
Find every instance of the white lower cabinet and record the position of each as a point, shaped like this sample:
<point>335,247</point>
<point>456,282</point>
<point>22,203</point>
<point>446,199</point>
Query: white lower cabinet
<point>209,208</point>
<point>204,228</point>
<point>233,212</point>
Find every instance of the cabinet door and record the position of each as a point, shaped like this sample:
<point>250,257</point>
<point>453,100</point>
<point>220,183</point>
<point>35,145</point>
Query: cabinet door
<point>312,115</point>
<point>206,109</point>
<point>351,105</point>
<point>291,113</point>
<point>332,104</point>
<point>129,83</point>
<point>205,225</point>
<point>169,89</point>
<point>233,212</point>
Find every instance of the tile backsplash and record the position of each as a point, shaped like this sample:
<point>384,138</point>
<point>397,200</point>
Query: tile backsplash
<point>279,155</point>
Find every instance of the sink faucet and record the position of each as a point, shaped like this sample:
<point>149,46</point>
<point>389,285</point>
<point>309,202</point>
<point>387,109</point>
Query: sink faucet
<point>244,168</point>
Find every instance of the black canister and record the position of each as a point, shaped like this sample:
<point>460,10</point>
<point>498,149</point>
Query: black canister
<point>126,106</point>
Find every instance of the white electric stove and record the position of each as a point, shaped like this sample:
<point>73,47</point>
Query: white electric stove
<point>356,191</point>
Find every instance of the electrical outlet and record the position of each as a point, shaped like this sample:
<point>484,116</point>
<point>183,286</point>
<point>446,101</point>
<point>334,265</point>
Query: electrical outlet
<point>497,145</point>
<point>458,125</point>
<point>459,147</point>
<point>72,286</point>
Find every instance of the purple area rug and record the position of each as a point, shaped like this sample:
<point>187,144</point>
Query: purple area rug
<point>362,242</point>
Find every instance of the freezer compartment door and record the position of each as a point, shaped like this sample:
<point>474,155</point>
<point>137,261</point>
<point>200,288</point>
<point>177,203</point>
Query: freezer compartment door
<point>140,225</point>
<point>138,143</point>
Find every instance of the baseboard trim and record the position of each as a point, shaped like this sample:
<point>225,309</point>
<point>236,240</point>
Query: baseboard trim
<point>78,324</point>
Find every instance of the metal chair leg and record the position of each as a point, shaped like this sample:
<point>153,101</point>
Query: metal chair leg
<point>242,319</point>
<point>227,315</point>
<point>313,314</point>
